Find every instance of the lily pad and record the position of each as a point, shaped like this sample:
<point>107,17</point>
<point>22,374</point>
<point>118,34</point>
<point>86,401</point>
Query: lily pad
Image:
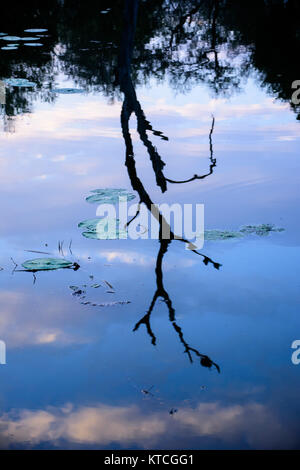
<point>213,235</point>
<point>19,82</point>
<point>260,230</point>
<point>33,44</point>
<point>10,38</point>
<point>35,30</point>
<point>46,264</point>
<point>90,225</point>
<point>29,39</point>
<point>67,91</point>
<point>109,196</point>
<point>103,229</point>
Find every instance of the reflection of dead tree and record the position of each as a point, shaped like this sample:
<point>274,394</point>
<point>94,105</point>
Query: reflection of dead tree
<point>205,361</point>
<point>137,185</point>
<point>213,161</point>
<point>164,243</point>
<point>131,105</point>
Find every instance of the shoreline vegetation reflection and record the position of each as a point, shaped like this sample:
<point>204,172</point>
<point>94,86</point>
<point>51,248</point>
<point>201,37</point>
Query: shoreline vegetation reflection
<point>219,43</point>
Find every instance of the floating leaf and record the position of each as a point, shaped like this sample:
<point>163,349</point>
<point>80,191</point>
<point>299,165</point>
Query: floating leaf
<point>46,264</point>
<point>108,284</point>
<point>109,196</point>
<point>67,91</point>
<point>29,39</point>
<point>36,30</point>
<point>112,304</point>
<point>107,228</point>
<point>79,293</point>
<point>33,44</point>
<point>213,235</point>
<point>19,82</point>
<point>261,230</point>
<point>89,225</point>
<point>10,38</point>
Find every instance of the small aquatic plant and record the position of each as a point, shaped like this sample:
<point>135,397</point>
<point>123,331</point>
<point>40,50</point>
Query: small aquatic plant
<point>35,30</point>
<point>261,230</point>
<point>47,264</point>
<point>102,229</point>
<point>19,82</point>
<point>109,196</point>
<point>66,91</point>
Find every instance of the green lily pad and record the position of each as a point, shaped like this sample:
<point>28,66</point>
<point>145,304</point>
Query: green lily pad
<point>33,44</point>
<point>35,30</point>
<point>89,225</point>
<point>103,229</point>
<point>29,39</point>
<point>46,264</point>
<point>67,91</point>
<point>19,82</point>
<point>213,235</point>
<point>10,38</point>
<point>260,230</point>
<point>109,196</point>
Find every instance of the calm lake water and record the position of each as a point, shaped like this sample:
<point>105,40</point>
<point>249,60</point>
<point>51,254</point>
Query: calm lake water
<point>76,374</point>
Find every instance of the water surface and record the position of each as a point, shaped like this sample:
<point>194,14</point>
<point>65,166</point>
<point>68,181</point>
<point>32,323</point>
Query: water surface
<point>77,375</point>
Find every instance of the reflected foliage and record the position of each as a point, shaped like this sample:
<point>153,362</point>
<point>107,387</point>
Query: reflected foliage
<point>215,42</point>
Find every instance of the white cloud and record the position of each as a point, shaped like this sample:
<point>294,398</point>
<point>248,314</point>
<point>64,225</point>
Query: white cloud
<point>251,424</point>
<point>24,323</point>
<point>221,108</point>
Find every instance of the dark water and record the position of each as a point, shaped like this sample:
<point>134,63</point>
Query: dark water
<point>77,375</point>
